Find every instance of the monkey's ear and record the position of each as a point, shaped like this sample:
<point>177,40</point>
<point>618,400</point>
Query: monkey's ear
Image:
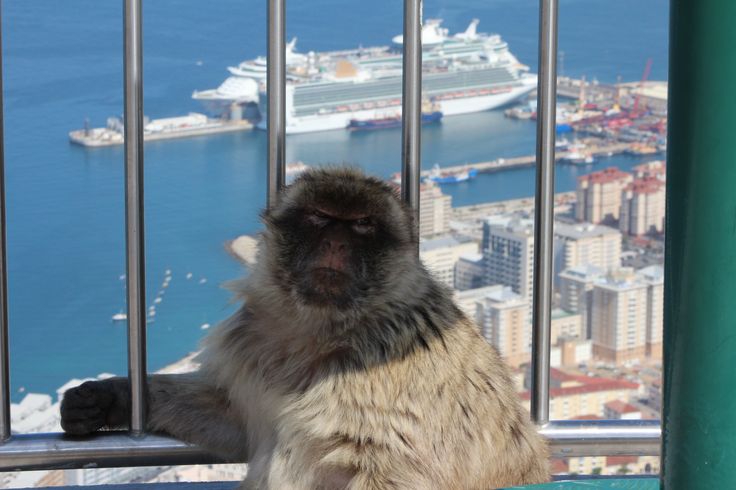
<point>244,249</point>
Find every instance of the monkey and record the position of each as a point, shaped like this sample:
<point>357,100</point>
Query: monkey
<point>347,366</point>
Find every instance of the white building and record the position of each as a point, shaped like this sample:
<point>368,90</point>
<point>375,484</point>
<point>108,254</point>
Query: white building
<point>627,314</point>
<point>435,210</point>
<point>586,244</point>
<point>440,255</point>
<point>466,300</point>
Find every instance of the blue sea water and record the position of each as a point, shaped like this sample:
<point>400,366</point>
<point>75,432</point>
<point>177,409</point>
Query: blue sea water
<point>62,63</point>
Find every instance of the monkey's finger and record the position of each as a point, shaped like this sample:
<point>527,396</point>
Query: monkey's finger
<point>80,427</point>
<point>81,413</point>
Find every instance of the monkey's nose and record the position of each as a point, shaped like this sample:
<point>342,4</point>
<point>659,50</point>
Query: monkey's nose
<point>333,245</point>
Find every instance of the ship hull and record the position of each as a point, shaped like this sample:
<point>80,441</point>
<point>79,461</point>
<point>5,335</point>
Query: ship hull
<point>448,107</point>
<point>390,122</point>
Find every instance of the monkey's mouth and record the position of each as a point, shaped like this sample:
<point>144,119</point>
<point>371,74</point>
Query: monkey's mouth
<point>326,285</point>
<point>329,277</point>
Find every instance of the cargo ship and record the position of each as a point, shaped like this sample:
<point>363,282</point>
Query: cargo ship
<point>462,73</point>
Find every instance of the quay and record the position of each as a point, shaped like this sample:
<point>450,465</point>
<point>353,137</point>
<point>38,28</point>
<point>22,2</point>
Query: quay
<point>530,160</point>
<point>571,88</point>
<point>193,124</point>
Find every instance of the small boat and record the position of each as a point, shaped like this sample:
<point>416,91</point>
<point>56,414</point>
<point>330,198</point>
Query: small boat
<point>578,158</point>
<point>451,177</point>
<point>204,326</point>
<point>578,154</point>
<point>119,317</point>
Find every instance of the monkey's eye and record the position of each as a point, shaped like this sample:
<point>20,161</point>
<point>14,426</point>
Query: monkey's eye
<point>363,225</point>
<point>318,218</point>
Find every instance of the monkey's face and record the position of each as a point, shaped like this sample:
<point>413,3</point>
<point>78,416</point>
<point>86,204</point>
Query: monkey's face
<point>338,238</point>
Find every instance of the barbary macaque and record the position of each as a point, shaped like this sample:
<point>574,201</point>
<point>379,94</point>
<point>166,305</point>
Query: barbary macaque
<point>347,366</point>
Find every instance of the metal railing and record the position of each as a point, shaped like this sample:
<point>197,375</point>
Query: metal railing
<point>135,448</point>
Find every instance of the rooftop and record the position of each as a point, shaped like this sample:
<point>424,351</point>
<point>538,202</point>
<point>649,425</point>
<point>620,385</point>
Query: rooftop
<point>560,313</point>
<point>605,176</point>
<point>472,257</point>
<point>579,384</point>
<point>622,407</point>
<point>444,241</point>
<point>621,279</point>
<point>655,167</point>
<point>585,272</point>
<point>582,230</point>
<point>654,274</point>
<point>646,185</point>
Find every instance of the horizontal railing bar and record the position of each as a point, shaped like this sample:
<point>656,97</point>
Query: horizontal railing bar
<point>105,450</point>
<point>567,438</point>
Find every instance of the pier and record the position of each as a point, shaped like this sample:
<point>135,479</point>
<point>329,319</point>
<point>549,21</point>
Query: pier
<point>593,91</point>
<point>187,126</point>
<point>530,160</point>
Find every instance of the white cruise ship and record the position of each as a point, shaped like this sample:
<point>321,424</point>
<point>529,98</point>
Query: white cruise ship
<point>463,73</point>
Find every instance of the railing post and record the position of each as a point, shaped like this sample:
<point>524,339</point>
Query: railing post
<point>699,426</point>
<point>411,105</point>
<point>134,223</point>
<point>276,88</point>
<point>4,348</point>
<point>544,210</point>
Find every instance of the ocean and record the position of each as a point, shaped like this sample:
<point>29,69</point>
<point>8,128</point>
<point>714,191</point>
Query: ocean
<point>63,63</point>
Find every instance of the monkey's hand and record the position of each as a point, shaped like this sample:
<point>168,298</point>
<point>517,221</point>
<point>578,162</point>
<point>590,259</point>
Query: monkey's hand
<point>94,405</point>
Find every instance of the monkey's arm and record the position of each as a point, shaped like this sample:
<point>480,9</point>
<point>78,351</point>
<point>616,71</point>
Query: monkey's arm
<point>183,406</point>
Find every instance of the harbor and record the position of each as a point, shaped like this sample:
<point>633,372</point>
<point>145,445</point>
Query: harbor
<point>202,191</point>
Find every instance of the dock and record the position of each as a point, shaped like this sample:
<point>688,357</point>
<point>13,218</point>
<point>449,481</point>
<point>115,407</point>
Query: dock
<point>530,160</point>
<point>188,126</point>
<point>594,92</point>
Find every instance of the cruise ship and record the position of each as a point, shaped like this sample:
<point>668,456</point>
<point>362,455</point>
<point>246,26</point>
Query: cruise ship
<point>461,73</point>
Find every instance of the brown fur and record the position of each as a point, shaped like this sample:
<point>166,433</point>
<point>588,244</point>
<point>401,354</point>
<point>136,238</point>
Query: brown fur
<point>393,388</point>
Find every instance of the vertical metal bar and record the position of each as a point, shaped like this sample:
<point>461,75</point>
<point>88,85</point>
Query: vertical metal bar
<point>134,224</point>
<point>276,86</point>
<point>544,209</point>
<point>411,108</point>
<point>699,448</point>
<point>4,350</point>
